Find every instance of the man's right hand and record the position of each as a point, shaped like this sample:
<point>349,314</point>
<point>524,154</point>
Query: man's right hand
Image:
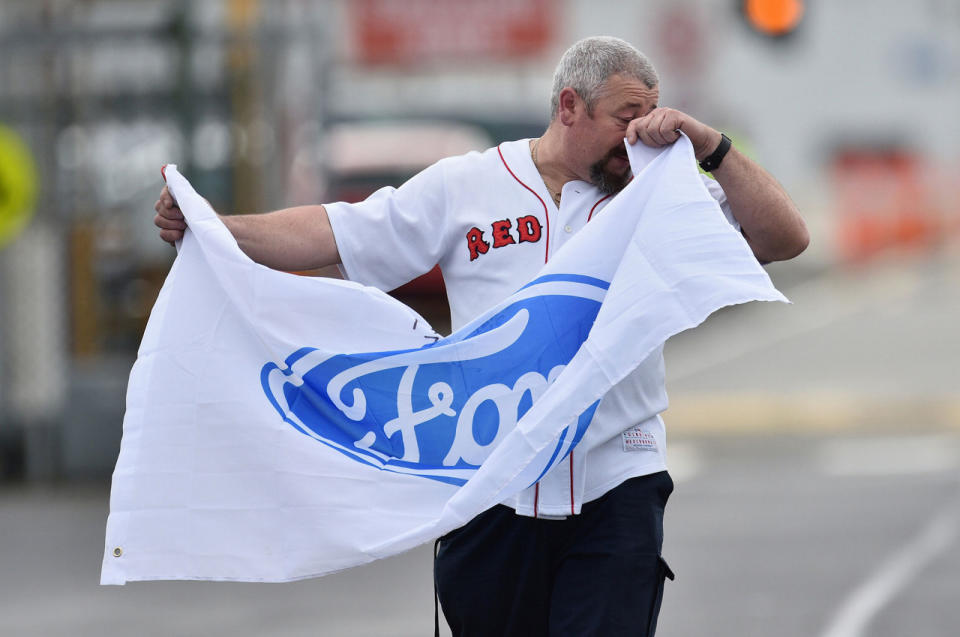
<point>169,218</point>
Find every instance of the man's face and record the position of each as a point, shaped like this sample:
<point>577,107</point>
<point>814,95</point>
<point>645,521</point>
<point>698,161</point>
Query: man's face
<point>601,133</point>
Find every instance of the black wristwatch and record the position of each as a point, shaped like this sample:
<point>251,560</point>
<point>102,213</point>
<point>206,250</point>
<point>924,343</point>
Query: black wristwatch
<point>712,162</point>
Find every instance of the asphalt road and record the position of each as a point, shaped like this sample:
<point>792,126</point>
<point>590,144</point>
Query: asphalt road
<point>816,450</point>
<point>820,536</point>
<point>769,535</point>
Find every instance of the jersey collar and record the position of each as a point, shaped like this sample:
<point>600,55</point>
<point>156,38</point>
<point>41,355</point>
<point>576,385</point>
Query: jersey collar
<point>516,155</point>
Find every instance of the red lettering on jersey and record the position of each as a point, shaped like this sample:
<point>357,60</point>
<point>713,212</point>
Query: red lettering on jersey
<point>476,244</point>
<point>529,228</point>
<point>501,233</point>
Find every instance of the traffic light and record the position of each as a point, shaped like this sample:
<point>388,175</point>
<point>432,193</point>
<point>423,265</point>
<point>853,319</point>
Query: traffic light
<point>773,18</point>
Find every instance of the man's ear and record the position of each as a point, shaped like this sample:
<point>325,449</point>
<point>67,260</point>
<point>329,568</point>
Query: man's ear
<point>570,106</point>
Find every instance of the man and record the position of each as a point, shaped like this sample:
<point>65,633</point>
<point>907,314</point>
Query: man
<point>579,552</point>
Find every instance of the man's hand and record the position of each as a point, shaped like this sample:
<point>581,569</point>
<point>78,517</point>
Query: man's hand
<point>661,126</point>
<point>169,218</point>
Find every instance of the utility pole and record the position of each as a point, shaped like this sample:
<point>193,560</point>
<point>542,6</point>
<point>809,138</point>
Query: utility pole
<point>242,17</point>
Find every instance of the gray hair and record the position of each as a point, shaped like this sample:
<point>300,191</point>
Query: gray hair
<point>587,65</point>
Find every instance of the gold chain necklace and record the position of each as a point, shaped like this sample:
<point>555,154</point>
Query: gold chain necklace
<point>533,156</point>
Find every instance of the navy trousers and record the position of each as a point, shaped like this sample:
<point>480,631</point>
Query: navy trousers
<point>597,573</point>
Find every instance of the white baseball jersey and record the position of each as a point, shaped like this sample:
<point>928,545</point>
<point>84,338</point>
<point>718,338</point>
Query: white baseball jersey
<point>489,222</point>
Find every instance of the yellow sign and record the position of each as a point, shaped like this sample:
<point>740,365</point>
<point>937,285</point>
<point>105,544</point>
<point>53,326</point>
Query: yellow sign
<point>18,185</point>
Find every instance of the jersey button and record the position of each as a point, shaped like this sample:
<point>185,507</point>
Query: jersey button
<point>567,229</point>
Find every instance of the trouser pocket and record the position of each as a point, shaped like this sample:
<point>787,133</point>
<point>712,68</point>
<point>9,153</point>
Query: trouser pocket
<point>663,573</point>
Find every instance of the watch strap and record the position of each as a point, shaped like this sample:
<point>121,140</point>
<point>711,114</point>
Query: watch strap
<point>712,161</point>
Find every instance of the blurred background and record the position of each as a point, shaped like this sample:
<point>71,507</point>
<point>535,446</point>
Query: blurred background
<point>815,446</point>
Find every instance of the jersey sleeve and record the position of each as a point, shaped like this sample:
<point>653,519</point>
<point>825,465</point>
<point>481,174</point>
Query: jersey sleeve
<point>394,235</point>
<point>717,193</point>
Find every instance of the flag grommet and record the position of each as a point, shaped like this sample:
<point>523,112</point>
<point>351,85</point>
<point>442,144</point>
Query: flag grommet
<point>117,552</point>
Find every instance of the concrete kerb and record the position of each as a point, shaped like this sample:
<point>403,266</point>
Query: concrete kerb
<point>705,414</point>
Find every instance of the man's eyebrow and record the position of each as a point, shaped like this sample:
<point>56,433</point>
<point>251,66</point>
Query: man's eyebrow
<point>634,106</point>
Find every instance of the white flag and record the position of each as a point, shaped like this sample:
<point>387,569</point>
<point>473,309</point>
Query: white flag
<point>280,427</point>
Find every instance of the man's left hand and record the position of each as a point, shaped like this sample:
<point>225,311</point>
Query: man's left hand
<point>662,126</point>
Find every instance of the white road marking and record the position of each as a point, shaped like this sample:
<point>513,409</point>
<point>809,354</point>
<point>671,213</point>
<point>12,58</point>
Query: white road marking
<point>858,610</point>
<point>891,455</point>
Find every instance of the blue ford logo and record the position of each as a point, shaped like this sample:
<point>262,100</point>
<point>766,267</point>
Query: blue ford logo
<point>438,411</point>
